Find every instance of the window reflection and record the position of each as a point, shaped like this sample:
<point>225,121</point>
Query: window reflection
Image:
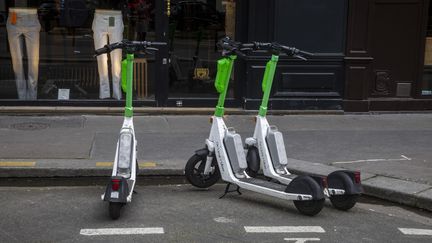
<point>194,28</point>
<point>427,74</point>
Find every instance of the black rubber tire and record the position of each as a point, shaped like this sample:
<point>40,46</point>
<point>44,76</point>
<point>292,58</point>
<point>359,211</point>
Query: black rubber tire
<point>114,209</point>
<point>309,207</point>
<point>253,162</point>
<point>344,202</point>
<point>307,185</point>
<point>194,172</point>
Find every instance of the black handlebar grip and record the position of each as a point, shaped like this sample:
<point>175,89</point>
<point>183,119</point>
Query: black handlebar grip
<point>158,43</point>
<point>248,45</point>
<point>101,51</point>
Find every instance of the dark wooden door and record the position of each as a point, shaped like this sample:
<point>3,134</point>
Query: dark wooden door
<point>395,28</point>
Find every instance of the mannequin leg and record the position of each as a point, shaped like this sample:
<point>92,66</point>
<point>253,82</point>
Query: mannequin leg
<point>32,44</point>
<point>116,35</point>
<point>16,46</point>
<point>100,40</point>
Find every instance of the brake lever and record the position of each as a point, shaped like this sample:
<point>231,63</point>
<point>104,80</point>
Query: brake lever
<point>246,49</point>
<point>300,57</point>
<point>149,52</point>
<point>152,49</point>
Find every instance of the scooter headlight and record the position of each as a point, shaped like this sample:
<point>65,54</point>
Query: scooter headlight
<point>125,153</point>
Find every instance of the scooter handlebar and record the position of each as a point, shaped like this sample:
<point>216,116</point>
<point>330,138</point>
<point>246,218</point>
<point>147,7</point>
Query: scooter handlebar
<point>101,51</point>
<point>230,46</point>
<point>292,51</point>
<point>131,45</point>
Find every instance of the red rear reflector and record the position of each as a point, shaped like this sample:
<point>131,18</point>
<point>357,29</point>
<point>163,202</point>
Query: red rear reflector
<point>357,177</point>
<point>115,185</point>
<point>324,182</point>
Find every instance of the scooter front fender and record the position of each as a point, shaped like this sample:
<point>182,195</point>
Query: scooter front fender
<point>202,152</point>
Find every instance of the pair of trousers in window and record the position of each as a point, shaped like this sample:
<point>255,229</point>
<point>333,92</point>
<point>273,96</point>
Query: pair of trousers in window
<point>108,27</point>
<point>24,26</point>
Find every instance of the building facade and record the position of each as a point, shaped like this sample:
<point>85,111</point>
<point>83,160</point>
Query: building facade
<point>370,55</point>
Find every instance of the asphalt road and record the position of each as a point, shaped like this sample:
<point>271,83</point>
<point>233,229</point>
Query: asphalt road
<point>180,213</point>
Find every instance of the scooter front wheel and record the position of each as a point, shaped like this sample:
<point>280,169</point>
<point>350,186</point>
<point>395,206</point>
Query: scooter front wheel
<point>114,209</point>
<point>194,172</point>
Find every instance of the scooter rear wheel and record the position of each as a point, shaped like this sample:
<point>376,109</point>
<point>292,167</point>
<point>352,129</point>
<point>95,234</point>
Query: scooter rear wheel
<point>310,207</point>
<point>344,202</point>
<point>194,172</point>
<point>114,209</point>
<point>307,185</point>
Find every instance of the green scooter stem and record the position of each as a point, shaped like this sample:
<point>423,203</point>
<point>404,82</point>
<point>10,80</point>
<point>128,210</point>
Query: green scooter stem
<point>267,83</point>
<point>129,77</point>
<point>223,75</point>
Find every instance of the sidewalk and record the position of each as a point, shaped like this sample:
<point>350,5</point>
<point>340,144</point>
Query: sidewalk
<point>393,151</point>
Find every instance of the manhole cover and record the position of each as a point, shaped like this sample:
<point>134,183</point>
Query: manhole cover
<point>30,126</point>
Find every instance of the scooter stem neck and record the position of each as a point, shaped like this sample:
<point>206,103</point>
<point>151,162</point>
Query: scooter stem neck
<point>267,83</point>
<point>222,81</point>
<point>128,107</point>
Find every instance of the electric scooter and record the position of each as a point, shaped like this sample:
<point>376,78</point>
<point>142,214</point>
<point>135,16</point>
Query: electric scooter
<point>267,145</point>
<point>224,154</point>
<point>121,186</point>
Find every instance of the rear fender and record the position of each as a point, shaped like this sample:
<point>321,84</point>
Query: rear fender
<point>345,180</point>
<point>321,180</point>
<point>117,196</point>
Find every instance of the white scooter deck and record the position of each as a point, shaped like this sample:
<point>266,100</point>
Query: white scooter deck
<point>235,173</point>
<point>275,168</point>
<point>127,128</point>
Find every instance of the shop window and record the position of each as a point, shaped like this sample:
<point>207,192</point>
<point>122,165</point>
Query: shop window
<point>47,48</point>
<point>194,29</point>
<point>427,74</point>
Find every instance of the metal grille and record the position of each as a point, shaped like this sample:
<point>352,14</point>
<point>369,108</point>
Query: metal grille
<point>140,77</point>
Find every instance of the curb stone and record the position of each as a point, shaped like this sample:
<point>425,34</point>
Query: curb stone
<point>391,189</point>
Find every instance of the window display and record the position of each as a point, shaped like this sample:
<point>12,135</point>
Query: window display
<point>47,47</point>
<point>108,28</point>
<point>23,26</point>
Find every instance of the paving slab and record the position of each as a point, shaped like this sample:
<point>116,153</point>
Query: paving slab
<point>57,144</point>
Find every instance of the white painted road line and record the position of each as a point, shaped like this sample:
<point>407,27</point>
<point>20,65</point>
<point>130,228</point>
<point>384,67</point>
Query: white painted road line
<point>123,231</point>
<point>302,240</point>
<point>412,231</point>
<point>284,229</point>
<point>404,158</point>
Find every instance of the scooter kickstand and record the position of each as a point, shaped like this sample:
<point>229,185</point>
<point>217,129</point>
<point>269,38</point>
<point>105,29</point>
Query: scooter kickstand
<point>227,190</point>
